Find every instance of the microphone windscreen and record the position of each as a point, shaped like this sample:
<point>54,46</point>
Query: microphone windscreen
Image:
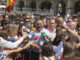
<point>36,37</point>
<point>43,34</point>
<point>33,30</point>
<point>32,34</point>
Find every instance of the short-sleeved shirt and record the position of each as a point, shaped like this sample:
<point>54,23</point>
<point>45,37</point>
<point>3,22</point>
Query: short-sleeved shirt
<point>3,54</point>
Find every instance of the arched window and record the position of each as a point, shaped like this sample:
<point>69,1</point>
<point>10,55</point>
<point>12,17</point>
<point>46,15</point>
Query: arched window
<point>33,5</point>
<point>45,5</point>
<point>77,7</point>
<point>61,8</point>
<point>21,4</point>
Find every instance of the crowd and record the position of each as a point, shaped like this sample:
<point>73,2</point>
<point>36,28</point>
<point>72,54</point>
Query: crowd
<point>36,37</point>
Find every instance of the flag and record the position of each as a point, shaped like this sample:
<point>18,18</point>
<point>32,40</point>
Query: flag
<point>9,5</point>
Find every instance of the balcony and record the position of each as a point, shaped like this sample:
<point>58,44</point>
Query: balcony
<point>25,10</point>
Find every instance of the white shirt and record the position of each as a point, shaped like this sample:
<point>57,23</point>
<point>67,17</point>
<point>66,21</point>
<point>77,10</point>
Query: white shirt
<point>53,34</point>
<point>8,44</point>
<point>58,49</point>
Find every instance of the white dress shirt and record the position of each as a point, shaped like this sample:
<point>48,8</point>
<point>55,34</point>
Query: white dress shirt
<point>53,34</point>
<point>8,44</point>
<point>58,49</point>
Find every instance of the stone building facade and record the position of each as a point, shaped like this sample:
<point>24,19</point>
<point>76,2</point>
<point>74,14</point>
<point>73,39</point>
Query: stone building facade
<point>55,6</point>
<point>67,6</point>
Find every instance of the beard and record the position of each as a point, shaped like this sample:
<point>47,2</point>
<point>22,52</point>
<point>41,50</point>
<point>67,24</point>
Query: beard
<point>39,28</point>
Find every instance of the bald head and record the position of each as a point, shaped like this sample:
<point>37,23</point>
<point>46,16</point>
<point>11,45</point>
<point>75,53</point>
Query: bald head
<point>39,25</point>
<point>60,19</point>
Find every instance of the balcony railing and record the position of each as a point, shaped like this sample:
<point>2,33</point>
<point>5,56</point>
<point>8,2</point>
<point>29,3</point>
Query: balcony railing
<point>33,11</point>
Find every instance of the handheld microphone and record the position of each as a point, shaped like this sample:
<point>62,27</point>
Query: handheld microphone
<point>45,36</point>
<point>33,30</point>
<point>31,35</point>
<point>28,31</point>
<point>36,37</point>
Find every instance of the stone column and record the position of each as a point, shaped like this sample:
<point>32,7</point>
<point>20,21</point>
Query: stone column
<point>37,5</point>
<point>52,7</point>
<point>15,5</point>
<point>26,5</point>
<point>68,8</point>
<point>55,6</point>
<point>24,2</point>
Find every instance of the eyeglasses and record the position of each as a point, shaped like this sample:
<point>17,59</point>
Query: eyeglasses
<point>27,21</point>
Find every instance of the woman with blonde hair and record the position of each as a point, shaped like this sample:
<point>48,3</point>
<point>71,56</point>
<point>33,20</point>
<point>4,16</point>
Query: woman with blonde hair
<point>5,54</point>
<point>13,29</point>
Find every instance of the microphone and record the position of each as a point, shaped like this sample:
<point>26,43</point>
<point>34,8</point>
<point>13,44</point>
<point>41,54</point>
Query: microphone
<point>31,35</point>
<point>45,36</point>
<point>36,37</point>
<point>33,30</point>
<point>28,31</point>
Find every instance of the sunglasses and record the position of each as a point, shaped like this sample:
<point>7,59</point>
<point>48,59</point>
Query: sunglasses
<point>27,21</point>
